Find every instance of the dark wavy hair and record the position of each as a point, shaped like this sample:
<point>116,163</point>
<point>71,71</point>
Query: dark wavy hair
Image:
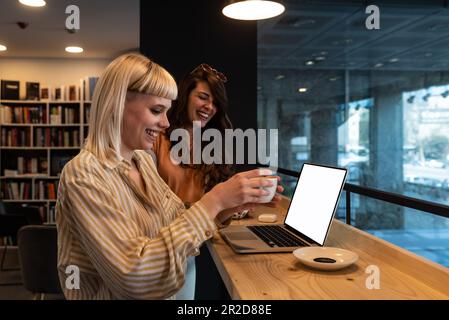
<point>178,118</point>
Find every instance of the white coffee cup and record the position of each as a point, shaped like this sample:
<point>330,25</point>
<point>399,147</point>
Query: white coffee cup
<point>271,190</point>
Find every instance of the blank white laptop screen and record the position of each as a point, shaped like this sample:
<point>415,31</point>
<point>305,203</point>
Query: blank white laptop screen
<point>314,201</point>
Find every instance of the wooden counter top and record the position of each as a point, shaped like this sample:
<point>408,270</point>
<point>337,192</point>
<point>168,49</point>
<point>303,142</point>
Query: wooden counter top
<point>403,275</point>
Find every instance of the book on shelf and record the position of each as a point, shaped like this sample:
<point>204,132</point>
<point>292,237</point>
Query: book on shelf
<point>6,114</point>
<point>76,138</point>
<point>86,113</point>
<point>15,137</point>
<point>10,90</point>
<point>31,165</point>
<point>56,137</point>
<point>20,165</point>
<point>16,190</point>
<point>88,85</point>
<point>46,93</point>
<point>73,93</point>
<point>56,115</point>
<point>32,90</point>
<point>59,93</point>
<point>64,115</point>
<point>92,83</point>
<point>51,215</point>
<point>45,190</point>
<point>69,116</point>
<point>67,93</point>
<point>10,173</point>
<point>22,114</point>
<point>51,191</point>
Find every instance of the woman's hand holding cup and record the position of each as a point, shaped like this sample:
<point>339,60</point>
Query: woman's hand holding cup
<point>245,189</point>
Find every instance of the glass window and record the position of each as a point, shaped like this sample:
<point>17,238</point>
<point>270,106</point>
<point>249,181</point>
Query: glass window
<point>374,101</point>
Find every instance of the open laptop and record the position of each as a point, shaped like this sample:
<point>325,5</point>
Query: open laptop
<point>308,219</point>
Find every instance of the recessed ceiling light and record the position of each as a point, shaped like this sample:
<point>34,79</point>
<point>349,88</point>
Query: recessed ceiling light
<point>279,77</point>
<point>253,9</point>
<point>3,48</point>
<point>333,79</point>
<point>378,65</point>
<point>33,3</point>
<point>302,90</point>
<point>309,63</point>
<point>74,49</point>
<point>320,58</point>
<point>393,60</point>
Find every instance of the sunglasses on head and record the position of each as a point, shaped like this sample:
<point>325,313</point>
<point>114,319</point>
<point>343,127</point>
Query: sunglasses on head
<point>207,68</point>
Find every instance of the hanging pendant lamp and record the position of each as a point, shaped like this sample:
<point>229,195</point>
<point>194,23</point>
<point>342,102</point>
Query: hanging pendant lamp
<point>252,9</point>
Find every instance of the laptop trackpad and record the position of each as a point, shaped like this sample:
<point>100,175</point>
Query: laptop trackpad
<point>241,236</point>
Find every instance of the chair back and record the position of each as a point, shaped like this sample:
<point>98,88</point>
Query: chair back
<point>38,258</point>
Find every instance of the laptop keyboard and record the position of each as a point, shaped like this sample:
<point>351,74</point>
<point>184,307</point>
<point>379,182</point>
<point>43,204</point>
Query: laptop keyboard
<point>276,236</point>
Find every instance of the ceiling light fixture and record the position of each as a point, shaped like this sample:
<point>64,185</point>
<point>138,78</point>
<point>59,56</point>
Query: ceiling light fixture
<point>252,9</point>
<point>33,3</point>
<point>393,60</point>
<point>302,90</point>
<point>3,48</point>
<point>309,63</point>
<point>74,49</point>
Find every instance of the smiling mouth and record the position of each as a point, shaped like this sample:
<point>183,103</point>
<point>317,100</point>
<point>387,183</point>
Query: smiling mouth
<point>151,133</point>
<point>203,115</point>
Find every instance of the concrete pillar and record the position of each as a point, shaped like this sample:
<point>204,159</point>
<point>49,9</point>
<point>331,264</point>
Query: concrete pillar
<point>324,137</point>
<point>385,170</point>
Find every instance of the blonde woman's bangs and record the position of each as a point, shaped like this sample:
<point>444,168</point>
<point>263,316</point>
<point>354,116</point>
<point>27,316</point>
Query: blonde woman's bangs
<point>156,81</point>
<point>129,72</point>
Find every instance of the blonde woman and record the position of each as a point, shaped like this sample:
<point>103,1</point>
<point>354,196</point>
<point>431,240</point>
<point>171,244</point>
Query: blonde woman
<point>118,222</point>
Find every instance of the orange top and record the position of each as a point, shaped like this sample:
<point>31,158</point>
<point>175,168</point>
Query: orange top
<point>187,183</point>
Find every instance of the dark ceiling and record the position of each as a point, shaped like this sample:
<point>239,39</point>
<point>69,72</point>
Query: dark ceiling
<point>413,35</point>
<point>324,46</point>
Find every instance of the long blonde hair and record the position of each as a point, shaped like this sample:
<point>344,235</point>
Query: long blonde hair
<point>129,72</point>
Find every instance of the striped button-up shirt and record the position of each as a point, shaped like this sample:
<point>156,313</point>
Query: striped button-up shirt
<point>126,244</point>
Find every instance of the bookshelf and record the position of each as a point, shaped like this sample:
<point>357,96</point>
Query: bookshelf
<point>37,138</point>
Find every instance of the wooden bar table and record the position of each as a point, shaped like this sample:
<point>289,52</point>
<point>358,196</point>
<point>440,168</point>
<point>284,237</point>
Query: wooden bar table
<point>280,276</point>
